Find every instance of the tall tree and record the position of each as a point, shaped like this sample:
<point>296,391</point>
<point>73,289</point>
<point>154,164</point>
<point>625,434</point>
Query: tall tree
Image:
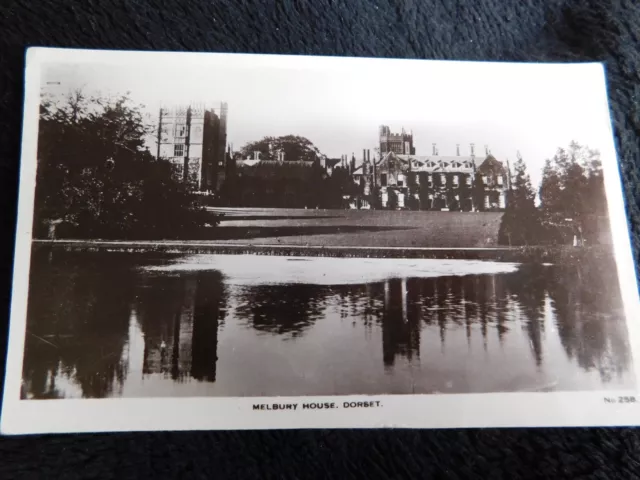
<point>550,187</point>
<point>95,176</point>
<point>520,223</point>
<point>293,146</point>
<point>572,195</point>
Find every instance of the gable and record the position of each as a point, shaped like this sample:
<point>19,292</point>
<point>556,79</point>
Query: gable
<point>491,165</point>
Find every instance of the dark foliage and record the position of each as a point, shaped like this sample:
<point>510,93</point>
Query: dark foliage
<point>293,146</point>
<point>298,181</point>
<point>573,204</point>
<point>521,220</point>
<point>572,196</point>
<point>94,180</point>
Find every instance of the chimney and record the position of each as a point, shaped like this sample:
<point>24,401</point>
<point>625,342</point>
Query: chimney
<point>433,149</point>
<point>364,155</point>
<point>472,149</point>
<point>486,150</point>
<point>457,149</point>
<point>256,155</point>
<point>368,156</point>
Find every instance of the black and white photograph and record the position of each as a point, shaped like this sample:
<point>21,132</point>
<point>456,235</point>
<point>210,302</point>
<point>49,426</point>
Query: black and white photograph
<point>286,229</point>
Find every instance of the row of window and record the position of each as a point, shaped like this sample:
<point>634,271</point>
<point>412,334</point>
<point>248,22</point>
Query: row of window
<point>443,179</point>
<point>180,130</point>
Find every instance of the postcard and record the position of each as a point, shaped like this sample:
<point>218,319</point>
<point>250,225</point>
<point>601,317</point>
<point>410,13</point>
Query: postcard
<point>234,241</point>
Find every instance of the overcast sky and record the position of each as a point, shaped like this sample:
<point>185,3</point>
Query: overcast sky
<point>339,107</point>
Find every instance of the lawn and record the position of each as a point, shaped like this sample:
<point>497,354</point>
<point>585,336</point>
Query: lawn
<point>367,228</point>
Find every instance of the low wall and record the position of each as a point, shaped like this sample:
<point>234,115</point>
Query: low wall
<point>556,254</point>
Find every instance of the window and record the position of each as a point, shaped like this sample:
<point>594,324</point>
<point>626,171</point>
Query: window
<point>485,179</point>
<point>181,130</point>
<point>500,180</point>
<point>400,181</point>
<point>501,201</point>
<point>383,179</point>
<point>456,182</point>
<point>486,201</point>
<point>468,179</point>
<point>178,150</point>
<point>443,179</point>
<point>417,178</point>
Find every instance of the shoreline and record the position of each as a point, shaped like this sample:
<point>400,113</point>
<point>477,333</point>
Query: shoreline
<point>529,254</point>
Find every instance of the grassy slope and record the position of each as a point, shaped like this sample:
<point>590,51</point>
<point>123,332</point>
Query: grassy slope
<point>354,228</point>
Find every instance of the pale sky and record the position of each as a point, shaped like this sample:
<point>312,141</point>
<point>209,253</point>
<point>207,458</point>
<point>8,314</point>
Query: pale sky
<point>339,104</point>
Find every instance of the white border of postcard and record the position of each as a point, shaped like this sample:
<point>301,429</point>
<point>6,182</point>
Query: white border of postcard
<point>593,408</point>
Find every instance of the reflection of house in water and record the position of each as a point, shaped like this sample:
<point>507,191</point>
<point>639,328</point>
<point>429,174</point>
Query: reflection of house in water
<point>400,321</point>
<point>90,334</point>
<point>181,335</point>
<point>209,311</point>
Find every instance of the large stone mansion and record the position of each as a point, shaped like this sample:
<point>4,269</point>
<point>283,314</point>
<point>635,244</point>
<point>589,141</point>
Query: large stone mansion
<point>194,138</point>
<point>397,180</point>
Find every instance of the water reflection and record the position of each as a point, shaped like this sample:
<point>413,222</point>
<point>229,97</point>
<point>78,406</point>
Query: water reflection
<point>102,326</point>
<point>285,310</point>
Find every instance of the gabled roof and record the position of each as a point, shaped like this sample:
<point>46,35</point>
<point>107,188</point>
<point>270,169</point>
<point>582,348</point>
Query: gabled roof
<point>434,163</point>
<point>490,163</point>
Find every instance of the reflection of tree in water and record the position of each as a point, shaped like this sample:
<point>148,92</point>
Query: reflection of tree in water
<point>461,301</point>
<point>362,302</point>
<point>528,286</point>
<point>282,309</point>
<point>77,323</point>
<point>589,316</point>
<point>180,317</point>
<point>80,307</point>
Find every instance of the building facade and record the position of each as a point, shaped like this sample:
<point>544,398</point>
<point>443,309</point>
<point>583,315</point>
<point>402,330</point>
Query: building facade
<point>194,137</point>
<point>432,182</point>
<point>279,183</point>
<point>399,143</point>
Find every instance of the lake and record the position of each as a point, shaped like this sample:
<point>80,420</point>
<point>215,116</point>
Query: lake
<point>135,325</point>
